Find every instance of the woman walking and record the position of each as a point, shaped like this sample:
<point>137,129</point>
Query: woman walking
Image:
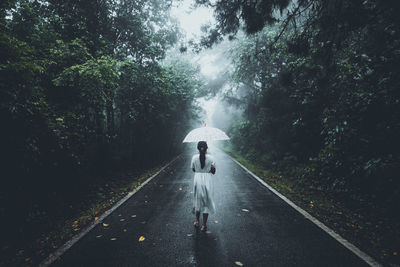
<point>204,167</point>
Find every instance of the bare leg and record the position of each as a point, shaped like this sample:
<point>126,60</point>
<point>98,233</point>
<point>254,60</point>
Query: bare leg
<point>196,223</point>
<point>204,226</point>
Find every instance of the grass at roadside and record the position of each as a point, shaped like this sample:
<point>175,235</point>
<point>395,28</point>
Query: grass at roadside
<point>357,222</point>
<point>99,198</point>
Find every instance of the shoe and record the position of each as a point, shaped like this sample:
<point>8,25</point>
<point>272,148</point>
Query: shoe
<point>203,228</point>
<point>196,224</point>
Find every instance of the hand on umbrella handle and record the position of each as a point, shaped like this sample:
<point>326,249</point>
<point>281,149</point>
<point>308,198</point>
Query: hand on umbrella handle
<point>212,170</point>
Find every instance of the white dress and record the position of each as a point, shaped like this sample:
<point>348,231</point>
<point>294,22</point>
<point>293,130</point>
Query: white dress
<point>202,185</point>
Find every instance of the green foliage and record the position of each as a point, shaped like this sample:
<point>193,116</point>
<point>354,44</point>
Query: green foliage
<point>322,100</point>
<point>82,93</point>
<point>230,15</point>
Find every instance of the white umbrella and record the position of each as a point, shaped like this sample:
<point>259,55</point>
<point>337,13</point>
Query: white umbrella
<point>205,134</point>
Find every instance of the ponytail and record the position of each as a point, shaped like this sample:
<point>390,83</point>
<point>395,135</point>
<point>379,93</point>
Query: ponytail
<point>202,147</point>
<point>202,159</point>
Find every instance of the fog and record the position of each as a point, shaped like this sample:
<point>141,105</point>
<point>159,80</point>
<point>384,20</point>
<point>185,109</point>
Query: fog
<point>214,64</point>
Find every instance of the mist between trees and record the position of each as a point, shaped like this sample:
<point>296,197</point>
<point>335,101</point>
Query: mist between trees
<point>318,83</point>
<point>85,88</point>
<point>82,93</point>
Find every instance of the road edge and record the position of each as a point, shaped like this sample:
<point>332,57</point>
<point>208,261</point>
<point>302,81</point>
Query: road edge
<point>365,257</point>
<point>67,245</point>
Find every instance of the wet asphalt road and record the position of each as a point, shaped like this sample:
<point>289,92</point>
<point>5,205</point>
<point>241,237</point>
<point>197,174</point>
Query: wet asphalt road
<point>270,233</point>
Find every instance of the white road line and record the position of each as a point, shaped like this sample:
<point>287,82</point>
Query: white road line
<point>55,255</point>
<point>368,259</point>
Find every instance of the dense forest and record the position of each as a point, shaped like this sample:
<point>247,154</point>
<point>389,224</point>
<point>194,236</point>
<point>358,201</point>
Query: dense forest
<point>86,89</point>
<point>319,90</point>
<point>83,93</point>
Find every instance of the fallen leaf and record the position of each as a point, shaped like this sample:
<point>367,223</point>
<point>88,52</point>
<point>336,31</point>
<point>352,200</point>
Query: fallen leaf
<point>189,234</point>
<point>238,263</point>
<point>395,253</point>
<point>133,216</point>
<point>180,188</point>
<point>141,238</point>
<point>122,220</point>
<point>98,236</point>
<point>339,212</point>
<point>125,230</point>
<point>96,218</point>
<point>105,224</point>
<point>245,210</point>
<point>113,239</point>
<point>216,221</point>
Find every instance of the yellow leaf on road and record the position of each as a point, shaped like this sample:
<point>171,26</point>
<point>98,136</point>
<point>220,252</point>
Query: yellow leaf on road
<point>238,263</point>
<point>216,221</point>
<point>96,218</point>
<point>141,238</point>
<point>133,216</point>
<point>113,239</point>
<point>105,224</point>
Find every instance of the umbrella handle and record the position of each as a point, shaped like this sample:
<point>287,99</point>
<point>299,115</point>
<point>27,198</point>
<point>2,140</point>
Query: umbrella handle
<point>212,170</point>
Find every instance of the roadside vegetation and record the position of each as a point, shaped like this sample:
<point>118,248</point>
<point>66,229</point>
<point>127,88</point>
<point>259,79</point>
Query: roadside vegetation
<point>88,103</point>
<point>318,83</point>
<point>360,223</point>
<point>83,95</point>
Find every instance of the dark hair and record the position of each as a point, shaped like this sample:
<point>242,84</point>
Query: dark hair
<point>202,147</point>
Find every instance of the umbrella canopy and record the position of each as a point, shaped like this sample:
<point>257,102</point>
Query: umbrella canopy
<point>205,134</point>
